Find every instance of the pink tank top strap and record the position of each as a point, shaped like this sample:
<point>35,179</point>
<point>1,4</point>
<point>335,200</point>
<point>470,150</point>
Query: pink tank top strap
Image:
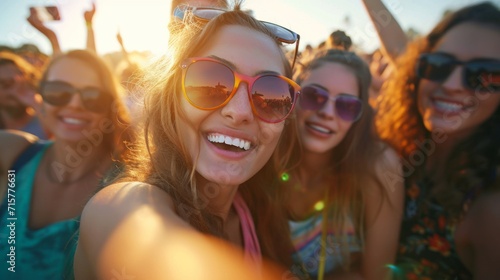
<point>251,242</point>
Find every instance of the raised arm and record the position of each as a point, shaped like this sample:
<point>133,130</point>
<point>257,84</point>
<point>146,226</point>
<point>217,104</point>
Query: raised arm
<point>89,16</point>
<point>122,46</point>
<point>392,36</point>
<point>35,21</point>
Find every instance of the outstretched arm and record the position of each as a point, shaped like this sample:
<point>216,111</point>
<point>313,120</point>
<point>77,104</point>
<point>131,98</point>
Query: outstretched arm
<point>391,34</point>
<point>131,231</point>
<point>89,16</point>
<point>35,21</point>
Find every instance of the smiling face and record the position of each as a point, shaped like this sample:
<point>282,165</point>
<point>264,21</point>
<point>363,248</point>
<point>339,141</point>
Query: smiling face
<point>247,142</point>
<point>69,122</point>
<point>449,106</point>
<point>323,130</point>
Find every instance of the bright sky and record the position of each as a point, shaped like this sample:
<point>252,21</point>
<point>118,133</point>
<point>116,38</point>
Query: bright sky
<point>143,23</point>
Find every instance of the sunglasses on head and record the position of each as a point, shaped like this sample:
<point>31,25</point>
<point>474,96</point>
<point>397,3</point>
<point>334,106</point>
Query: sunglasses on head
<point>282,34</point>
<point>58,93</point>
<point>347,107</point>
<point>477,74</point>
<point>209,84</point>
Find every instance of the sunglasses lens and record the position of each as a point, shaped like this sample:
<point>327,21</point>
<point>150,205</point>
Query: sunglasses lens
<point>435,67</point>
<point>280,32</point>
<point>208,84</point>
<point>272,98</point>
<point>56,93</point>
<point>483,75</point>
<point>348,107</point>
<point>313,98</point>
<point>95,100</point>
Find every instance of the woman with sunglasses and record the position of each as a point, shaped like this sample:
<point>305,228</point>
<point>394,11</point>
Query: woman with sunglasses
<point>48,183</point>
<point>345,213</point>
<point>214,115</point>
<point>441,113</point>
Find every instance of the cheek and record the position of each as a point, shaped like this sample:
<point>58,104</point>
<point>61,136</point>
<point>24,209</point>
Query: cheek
<point>425,88</point>
<point>270,134</point>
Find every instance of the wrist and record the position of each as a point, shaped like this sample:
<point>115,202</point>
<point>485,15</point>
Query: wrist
<point>88,24</point>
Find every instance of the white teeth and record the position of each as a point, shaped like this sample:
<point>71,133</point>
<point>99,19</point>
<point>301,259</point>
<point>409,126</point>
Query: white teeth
<point>73,121</point>
<point>236,142</point>
<point>320,128</point>
<point>448,106</point>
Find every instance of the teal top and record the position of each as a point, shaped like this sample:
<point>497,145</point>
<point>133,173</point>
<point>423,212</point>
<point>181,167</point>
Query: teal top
<point>45,253</point>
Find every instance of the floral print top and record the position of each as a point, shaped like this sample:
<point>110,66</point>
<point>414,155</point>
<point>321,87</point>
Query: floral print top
<point>427,247</point>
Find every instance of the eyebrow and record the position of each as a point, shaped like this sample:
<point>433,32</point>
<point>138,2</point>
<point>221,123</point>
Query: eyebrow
<point>319,86</point>
<point>232,66</point>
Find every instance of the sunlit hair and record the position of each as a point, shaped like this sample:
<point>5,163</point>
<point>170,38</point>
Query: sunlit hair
<point>352,163</point>
<point>117,112</point>
<point>31,74</point>
<point>164,161</point>
<point>400,123</point>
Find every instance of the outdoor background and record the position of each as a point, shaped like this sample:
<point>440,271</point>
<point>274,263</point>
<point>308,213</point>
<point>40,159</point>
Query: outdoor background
<point>142,23</point>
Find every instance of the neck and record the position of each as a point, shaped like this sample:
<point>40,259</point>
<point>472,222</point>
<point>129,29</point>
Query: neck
<point>312,169</point>
<point>68,163</point>
<point>220,197</point>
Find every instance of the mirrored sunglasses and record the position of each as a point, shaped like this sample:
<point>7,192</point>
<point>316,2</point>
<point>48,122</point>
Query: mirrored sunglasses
<point>209,84</point>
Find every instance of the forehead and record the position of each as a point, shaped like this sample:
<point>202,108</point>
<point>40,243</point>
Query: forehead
<point>249,50</point>
<point>74,72</point>
<point>335,77</point>
<point>471,40</point>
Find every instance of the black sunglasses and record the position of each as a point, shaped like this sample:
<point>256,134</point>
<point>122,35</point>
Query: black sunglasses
<point>58,93</point>
<point>347,107</point>
<point>478,74</point>
<point>282,34</point>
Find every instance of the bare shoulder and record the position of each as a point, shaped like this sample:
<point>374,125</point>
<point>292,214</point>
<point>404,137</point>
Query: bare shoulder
<point>13,143</point>
<point>130,217</point>
<point>115,202</point>
<point>389,183</point>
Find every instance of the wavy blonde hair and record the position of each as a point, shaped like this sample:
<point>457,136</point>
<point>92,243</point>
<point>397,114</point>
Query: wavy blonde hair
<point>163,160</point>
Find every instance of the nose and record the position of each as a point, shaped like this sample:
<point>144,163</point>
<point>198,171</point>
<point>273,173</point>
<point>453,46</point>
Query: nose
<point>328,110</point>
<point>453,83</point>
<point>76,101</point>
<point>239,109</point>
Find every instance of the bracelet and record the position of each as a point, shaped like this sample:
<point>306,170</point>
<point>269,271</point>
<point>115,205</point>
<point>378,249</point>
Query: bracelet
<point>88,23</point>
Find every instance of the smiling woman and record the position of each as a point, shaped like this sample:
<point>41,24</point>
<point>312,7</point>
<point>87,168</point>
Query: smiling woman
<point>210,154</point>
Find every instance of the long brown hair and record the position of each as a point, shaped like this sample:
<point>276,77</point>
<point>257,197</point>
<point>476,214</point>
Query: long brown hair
<point>352,163</point>
<point>399,122</point>
<point>163,159</point>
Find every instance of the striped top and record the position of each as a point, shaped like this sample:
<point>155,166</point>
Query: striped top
<point>306,237</point>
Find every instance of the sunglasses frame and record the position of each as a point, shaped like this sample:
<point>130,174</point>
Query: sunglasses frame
<point>180,13</point>
<point>238,79</point>
<point>74,91</point>
<point>453,63</point>
<point>334,99</point>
